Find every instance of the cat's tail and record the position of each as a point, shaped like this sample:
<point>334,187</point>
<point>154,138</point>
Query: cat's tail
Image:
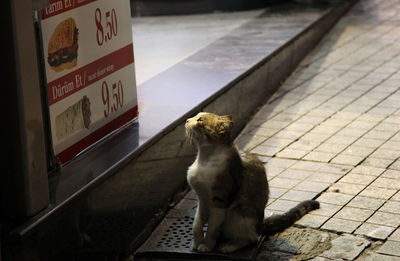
<point>278,222</point>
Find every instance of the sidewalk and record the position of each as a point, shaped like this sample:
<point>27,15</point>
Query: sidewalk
<point>332,133</point>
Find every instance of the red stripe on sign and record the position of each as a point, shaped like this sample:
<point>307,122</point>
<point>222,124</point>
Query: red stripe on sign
<point>77,80</point>
<point>68,154</point>
<point>60,6</point>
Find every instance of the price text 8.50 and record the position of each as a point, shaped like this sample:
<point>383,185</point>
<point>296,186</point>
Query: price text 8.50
<point>111,30</point>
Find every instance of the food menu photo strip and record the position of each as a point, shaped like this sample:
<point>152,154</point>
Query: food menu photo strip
<point>90,75</point>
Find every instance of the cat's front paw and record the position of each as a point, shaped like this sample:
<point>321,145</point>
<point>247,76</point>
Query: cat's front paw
<point>195,245</point>
<point>227,248</point>
<point>204,248</point>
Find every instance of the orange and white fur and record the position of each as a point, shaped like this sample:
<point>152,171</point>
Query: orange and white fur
<point>232,190</point>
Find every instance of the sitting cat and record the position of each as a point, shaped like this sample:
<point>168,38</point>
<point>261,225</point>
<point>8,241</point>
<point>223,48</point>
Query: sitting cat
<point>232,189</point>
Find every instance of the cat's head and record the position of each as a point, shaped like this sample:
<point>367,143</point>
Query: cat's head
<point>209,128</point>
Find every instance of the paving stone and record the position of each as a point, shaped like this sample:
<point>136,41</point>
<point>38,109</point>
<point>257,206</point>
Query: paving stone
<point>300,127</point>
<point>375,192</point>
<point>379,257</point>
<point>276,192</point>
<point>320,156</point>
<point>390,248</point>
<point>315,137</point>
<point>286,134</point>
<point>390,127</point>
<point>273,172</point>
<point>371,117</point>
<point>347,188</point>
<point>358,151</point>
<point>366,202</point>
<point>326,177</point>
<point>374,230</point>
<point>263,132</point>
<point>356,214</point>
<point>396,197</point>
<point>247,142</point>
<point>311,120</point>
<point>330,148</point>
<point>383,218</point>
<point>386,183</point>
<point>265,150</point>
<point>335,168</point>
<point>297,195</point>
<point>292,154</point>
<point>395,165</point>
<point>357,179</point>
<point>391,206</point>
<point>341,140</point>
<point>361,125</point>
<point>287,117</point>
<point>309,166</point>
<point>346,247</point>
<point>347,159</point>
<point>334,198</point>
<point>320,258</point>
<point>274,124</point>
<point>391,145</point>
<point>303,144</point>
<point>282,163</point>
<point>391,173</point>
<point>368,170</point>
<point>311,220</point>
<point>395,236</point>
<point>282,205</point>
<point>295,174</point>
<point>385,154</point>
<point>341,225</point>
<point>351,132</point>
<point>312,186</point>
<point>368,142</point>
<point>276,142</point>
<point>283,183</point>
<point>326,210</point>
<point>378,163</point>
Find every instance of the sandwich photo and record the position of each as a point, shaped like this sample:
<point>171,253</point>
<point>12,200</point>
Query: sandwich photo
<point>63,46</point>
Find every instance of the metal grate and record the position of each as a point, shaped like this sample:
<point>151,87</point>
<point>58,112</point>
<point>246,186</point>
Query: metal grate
<point>178,235</point>
<point>172,240</point>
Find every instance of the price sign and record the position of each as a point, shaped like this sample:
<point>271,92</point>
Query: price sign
<point>89,64</point>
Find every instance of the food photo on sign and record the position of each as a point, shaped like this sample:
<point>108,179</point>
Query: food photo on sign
<point>63,46</point>
<point>88,66</point>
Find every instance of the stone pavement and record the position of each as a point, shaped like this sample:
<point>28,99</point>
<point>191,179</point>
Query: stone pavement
<point>332,133</point>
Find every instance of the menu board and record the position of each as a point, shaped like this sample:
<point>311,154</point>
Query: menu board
<point>89,66</point>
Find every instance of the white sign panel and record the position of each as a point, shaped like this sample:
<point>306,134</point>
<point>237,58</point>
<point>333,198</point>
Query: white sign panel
<point>90,73</point>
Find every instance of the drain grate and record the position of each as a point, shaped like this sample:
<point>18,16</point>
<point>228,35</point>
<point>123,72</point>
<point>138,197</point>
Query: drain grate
<point>172,239</point>
<point>178,235</point>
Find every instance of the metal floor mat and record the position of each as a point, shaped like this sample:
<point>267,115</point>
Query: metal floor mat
<point>171,240</point>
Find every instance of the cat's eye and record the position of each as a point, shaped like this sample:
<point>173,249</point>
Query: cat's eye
<point>200,119</point>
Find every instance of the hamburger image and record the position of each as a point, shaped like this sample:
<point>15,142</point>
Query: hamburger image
<point>63,46</point>
<point>75,117</point>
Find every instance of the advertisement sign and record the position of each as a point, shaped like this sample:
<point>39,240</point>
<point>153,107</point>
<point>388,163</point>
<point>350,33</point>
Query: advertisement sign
<point>89,65</point>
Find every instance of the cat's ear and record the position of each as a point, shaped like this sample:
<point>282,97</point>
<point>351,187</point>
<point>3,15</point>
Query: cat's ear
<point>225,125</point>
<point>227,118</point>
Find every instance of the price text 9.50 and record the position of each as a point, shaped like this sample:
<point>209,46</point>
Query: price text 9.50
<point>117,101</point>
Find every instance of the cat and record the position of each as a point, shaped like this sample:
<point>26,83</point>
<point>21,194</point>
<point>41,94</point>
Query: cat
<point>232,189</point>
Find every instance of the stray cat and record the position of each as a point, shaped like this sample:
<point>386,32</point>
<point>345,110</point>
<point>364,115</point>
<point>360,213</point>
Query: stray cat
<point>232,190</point>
